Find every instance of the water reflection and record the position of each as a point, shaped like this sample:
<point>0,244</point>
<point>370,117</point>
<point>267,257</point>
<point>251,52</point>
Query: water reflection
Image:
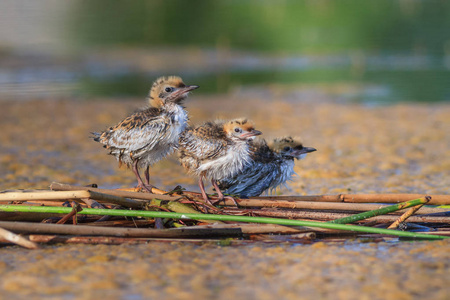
<point>387,51</point>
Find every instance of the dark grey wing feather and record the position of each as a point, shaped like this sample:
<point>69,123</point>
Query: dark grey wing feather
<point>258,176</point>
<point>252,181</point>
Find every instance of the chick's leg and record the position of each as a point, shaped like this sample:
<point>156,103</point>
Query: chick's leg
<point>153,189</point>
<point>147,175</point>
<point>202,189</point>
<point>219,192</point>
<point>220,196</point>
<point>141,184</point>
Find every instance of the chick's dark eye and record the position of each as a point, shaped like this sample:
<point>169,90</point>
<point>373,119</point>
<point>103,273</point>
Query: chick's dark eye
<point>237,129</point>
<point>168,89</point>
<point>287,148</point>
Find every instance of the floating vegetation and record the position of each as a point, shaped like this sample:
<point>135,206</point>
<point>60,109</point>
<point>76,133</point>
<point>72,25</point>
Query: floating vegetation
<point>101,216</point>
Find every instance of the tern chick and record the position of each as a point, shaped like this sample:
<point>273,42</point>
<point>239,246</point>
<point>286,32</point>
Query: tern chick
<point>216,150</point>
<point>150,134</point>
<point>272,165</point>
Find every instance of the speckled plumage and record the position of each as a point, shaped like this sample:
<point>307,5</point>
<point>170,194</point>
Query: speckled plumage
<point>150,134</point>
<point>271,166</point>
<point>147,135</point>
<point>216,150</point>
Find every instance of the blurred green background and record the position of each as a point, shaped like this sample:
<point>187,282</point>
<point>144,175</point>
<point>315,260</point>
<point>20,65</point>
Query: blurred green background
<point>374,51</point>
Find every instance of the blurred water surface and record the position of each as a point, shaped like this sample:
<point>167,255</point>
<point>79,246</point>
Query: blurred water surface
<point>375,51</point>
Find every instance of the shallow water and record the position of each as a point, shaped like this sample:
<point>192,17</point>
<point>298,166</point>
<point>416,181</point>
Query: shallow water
<point>383,51</point>
<point>361,149</point>
<point>183,271</point>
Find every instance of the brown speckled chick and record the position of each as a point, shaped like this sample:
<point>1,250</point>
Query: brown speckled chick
<point>216,150</point>
<point>150,134</point>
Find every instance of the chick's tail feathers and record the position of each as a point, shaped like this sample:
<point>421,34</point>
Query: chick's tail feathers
<point>96,136</point>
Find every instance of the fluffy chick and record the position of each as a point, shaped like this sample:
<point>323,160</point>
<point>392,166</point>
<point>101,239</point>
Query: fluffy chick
<point>149,134</point>
<point>216,150</point>
<point>271,166</point>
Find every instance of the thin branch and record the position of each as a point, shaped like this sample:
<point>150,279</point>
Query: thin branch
<point>75,208</point>
<point>17,239</point>
<point>363,198</point>
<point>134,195</point>
<point>185,232</point>
<point>311,205</point>
<point>70,195</point>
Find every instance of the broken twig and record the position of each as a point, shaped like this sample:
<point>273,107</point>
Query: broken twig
<point>408,214</point>
<point>381,211</point>
<point>17,239</point>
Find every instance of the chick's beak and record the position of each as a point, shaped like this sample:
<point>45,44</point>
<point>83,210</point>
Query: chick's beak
<point>182,92</point>
<point>189,88</point>
<point>186,89</point>
<point>250,134</point>
<point>304,150</point>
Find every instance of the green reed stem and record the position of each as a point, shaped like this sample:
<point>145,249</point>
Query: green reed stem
<point>381,211</point>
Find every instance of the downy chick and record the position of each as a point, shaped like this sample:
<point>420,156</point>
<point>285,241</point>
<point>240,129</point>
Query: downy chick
<point>147,136</point>
<point>272,165</point>
<point>216,150</point>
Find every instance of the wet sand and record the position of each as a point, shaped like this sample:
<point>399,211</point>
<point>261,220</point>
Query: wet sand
<point>417,270</point>
<point>403,148</point>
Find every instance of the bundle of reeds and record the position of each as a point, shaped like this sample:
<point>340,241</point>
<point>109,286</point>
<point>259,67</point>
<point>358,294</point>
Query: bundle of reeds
<point>119,216</point>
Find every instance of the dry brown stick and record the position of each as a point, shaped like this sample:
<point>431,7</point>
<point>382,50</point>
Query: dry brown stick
<point>298,237</point>
<point>107,240</point>
<point>363,198</point>
<point>137,190</point>
<point>76,208</point>
<point>446,233</point>
<point>36,217</point>
<point>51,239</point>
<point>319,205</point>
<point>407,214</point>
<point>17,239</point>
<point>92,203</point>
<point>327,216</point>
<point>44,195</point>
<point>350,198</point>
<point>122,201</point>
<point>120,240</point>
<point>39,202</point>
<point>122,223</point>
<point>79,195</point>
<point>265,228</point>
<point>21,190</point>
<point>30,228</point>
<point>135,195</point>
